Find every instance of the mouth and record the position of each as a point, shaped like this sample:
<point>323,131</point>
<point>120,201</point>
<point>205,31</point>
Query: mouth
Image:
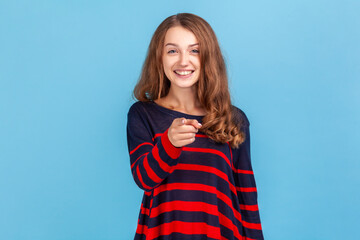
<point>183,73</point>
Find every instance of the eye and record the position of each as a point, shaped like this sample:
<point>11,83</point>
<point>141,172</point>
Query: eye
<point>171,51</point>
<point>195,51</point>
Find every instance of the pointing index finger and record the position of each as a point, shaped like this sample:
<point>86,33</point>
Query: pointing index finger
<point>194,123</point>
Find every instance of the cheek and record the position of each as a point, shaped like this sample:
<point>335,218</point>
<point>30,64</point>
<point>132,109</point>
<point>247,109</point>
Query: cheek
<point>167,68</point>
<point>166,63</point>
<point>196,62</point>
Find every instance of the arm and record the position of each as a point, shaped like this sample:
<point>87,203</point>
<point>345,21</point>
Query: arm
<point>246,187</point>
<point>150,163</point>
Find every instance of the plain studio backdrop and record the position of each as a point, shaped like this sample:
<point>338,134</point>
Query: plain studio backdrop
<point>67,70</point>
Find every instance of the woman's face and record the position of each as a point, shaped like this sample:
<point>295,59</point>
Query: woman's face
<point>181,60</point>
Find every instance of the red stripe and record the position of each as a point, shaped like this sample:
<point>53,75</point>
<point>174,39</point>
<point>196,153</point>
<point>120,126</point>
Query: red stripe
<point>256,226</point>
<point>156,136</point>
<point>142,144</point>
<point>144,210</point>
<point>196,167</point>
<point>209,189</point>
<point>185,228</point>
<point>188,206</point>
<point>151,202</point>
<point>242,171</point>
<point>202,135</point>
<point>140,178</point>
<point>246,189</point>
<point>141,229</point>
<point>163,165</point>
<point>249,207</point>
<point>208,150</point>
<point>170,149</point>
<point>152,175</point>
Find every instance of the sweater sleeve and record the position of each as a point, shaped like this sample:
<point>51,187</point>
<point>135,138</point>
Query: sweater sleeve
<point>150,163</point>
<point>246,186</point>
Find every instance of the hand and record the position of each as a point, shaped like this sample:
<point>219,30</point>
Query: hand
<point>182,131</point>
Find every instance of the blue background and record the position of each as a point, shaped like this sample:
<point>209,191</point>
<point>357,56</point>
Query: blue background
<point>67,70</point>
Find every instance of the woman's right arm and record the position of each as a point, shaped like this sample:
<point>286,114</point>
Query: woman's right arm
<point>152,163</point>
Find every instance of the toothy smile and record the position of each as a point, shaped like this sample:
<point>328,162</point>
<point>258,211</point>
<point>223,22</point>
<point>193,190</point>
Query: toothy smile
<point>183,73</point>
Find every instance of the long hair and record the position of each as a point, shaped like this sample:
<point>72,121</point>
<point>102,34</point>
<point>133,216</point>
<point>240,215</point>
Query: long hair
<point>221,122</point>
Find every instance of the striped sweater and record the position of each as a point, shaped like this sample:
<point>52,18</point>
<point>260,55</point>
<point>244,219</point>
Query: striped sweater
<point>203,190</point>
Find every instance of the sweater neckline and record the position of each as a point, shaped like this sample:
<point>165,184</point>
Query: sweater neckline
<point>176,113</point>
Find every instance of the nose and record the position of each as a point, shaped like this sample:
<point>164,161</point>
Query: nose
<point>184,59</point>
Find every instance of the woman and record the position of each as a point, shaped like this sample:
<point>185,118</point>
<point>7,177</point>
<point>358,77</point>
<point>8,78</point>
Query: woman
<point>189,147</point>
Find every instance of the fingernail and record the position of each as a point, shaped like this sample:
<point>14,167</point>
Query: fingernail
<point>200,124</point>
<point>183,121</point>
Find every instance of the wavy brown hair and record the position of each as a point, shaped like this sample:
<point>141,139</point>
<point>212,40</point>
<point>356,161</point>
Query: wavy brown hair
<point>222,122</point>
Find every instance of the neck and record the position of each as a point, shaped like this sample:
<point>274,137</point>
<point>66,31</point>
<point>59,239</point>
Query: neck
<point>185,99</point>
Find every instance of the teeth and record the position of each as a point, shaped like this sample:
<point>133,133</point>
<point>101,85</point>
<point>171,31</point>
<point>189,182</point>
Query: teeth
<point>183,72</point>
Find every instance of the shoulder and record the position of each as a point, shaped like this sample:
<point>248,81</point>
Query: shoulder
<point>139,114</point>
<point>138,107</point>
<point>240,116</point>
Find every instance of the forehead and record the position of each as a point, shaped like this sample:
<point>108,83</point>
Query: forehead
<point>180,36</point>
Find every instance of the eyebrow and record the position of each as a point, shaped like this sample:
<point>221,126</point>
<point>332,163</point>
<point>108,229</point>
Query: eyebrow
<point>173,44</point>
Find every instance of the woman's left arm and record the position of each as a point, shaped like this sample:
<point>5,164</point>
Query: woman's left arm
<point>246,187</point>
